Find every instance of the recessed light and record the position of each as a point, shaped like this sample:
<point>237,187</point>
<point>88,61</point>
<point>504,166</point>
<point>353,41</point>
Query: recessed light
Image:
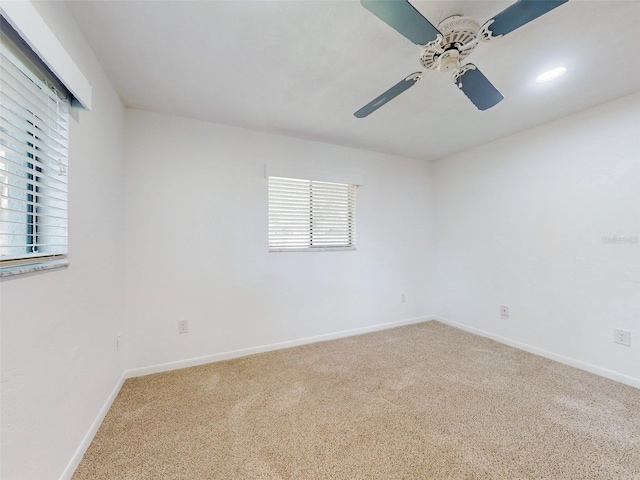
<point>551,74</point>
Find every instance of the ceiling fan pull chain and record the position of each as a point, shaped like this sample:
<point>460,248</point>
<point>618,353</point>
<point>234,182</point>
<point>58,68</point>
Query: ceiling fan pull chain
<point>444,48</point>
<point>457,76</point>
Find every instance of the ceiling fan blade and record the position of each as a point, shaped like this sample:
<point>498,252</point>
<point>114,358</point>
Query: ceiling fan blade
<point>517,15</point>
<point>404,18</point>
<point>390,94</point>
<point>477,88</point>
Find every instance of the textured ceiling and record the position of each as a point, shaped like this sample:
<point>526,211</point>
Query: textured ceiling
<point>301,68</point>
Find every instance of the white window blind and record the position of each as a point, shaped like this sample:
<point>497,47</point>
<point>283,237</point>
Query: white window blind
<point>34,126</point>
<point>307,215</point>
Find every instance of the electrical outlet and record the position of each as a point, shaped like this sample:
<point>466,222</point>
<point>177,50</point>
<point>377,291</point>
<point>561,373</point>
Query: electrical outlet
<point>623,337</point>
<point>119,341</point>
<point>504,311</point>
<point>183,326</point>
<point>403,298</point>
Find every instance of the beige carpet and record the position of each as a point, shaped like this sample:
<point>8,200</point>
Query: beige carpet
<point>425,401</point>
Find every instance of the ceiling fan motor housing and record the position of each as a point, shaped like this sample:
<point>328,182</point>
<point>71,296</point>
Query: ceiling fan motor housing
<point>445,47</point>
<point>458,39</point>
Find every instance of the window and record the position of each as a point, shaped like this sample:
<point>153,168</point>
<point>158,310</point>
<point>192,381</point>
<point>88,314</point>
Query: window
<point>306,215</point>
<point>34,124</point>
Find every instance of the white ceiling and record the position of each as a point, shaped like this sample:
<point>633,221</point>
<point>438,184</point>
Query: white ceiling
<point>301,68</point>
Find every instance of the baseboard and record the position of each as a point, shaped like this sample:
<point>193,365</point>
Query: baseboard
<point>88,438</point>
<point>192,362</point>
<point>136,372</point>
<point>603,372</point>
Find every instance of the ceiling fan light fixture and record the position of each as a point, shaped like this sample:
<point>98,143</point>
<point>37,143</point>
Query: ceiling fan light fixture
<point>551,74</point>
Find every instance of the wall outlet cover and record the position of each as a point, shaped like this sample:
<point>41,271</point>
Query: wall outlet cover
<point>623,337</point>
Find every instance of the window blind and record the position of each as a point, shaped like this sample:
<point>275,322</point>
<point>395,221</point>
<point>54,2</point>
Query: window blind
<point>307,214</point>
<point>34,139</point>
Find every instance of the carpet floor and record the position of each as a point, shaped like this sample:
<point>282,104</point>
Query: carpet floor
<point>425,401</point>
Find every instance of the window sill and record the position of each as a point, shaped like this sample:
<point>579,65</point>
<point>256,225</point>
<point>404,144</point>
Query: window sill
<point>312,249</point>
<point>33,267</point>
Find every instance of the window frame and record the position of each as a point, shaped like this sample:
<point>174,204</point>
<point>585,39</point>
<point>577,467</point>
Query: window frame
<point>317,189</point>
<point>25,132</point>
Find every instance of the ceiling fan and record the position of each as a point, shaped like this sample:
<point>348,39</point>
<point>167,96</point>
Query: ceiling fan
<point>444,48</point>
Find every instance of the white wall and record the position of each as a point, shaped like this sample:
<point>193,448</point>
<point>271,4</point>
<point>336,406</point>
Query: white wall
<point>196,235</point>
<point>59,360</point>
<point>520,222</point>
